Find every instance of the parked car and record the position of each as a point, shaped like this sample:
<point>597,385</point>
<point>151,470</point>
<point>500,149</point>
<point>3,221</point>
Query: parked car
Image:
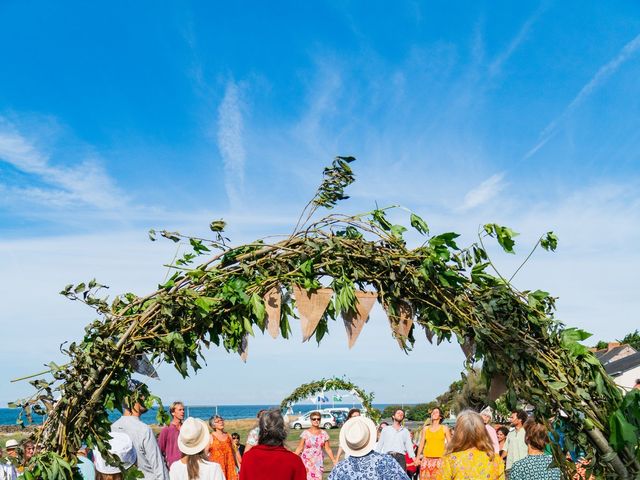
<point>339,413</point>
<point>327,421</point>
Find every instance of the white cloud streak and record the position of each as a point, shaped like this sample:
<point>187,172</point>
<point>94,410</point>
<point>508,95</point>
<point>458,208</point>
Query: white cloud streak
<point>230,142</point>
<point>86,182</point>
<point>484,192</point>
<point>589,88</point>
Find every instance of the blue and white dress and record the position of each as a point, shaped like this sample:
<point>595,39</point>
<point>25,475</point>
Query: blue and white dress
<point>372,466</point>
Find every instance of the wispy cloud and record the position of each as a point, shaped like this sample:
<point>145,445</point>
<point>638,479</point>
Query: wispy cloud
<point>496,66</point>
<point>85,182</point>
<point>590,87</point>
<point>484,192</point>
<point>230,142</point>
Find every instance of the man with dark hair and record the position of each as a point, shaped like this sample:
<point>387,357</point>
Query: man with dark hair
<point>168,439</point>
<point>515,445</point>
<point>149,458</point>
<point>396,441</point>
<point>536,464</point>
<point>235,439</point>
<point>270,460</point>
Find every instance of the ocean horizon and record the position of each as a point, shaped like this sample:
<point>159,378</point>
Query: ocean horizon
<point>8,416</point>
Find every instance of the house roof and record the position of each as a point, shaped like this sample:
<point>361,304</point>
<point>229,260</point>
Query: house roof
<point>624,364</point>
<point>605,355</point>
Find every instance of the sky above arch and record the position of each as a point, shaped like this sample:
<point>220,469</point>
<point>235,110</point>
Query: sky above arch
<point>123,117</point>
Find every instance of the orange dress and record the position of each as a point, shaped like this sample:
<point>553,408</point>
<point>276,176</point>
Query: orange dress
<point>221,452</point>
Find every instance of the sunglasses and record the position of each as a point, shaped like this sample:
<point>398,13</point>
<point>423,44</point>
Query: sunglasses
<point>315,419</point>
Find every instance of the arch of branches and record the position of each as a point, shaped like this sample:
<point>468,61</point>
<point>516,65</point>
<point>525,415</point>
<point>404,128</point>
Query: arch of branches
<point>437,288</point>
<point>311,389</point>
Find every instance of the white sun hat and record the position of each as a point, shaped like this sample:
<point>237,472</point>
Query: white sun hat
<point>194,436</point>
<point>120,446</point>
<point>11,443</point>
<point>358,436</point>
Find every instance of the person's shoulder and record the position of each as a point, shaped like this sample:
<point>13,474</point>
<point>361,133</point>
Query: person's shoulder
<point>209,465</point>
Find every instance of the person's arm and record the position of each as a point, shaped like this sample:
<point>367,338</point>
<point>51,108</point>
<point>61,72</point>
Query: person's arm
<point>236,455</point>
<point>327,448</point>
<point>162,442</point>
<point>339,454</point>
<point>300,446</point>
<point>154,457</point>
<point>380,444</point>
<point>423,438</point>
<point>408,445</point>
<point>447,435</point>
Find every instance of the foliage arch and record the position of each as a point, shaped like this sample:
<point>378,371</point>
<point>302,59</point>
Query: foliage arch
<point>319,386</point>
<point>447,291</point>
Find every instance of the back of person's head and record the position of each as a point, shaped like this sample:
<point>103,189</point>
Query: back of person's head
<point>536,434</point>
<point>272,429</point>
<point>193,439</point>
<point>470,432</point>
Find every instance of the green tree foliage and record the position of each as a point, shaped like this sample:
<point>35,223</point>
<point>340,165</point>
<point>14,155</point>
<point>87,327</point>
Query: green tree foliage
<point>453,293</point>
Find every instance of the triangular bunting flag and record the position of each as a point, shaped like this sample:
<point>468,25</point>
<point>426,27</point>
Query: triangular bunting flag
<point>429,334</point>
<point>272,304</point>
<point>354,320</point>
<point>311,306</point>
<point>402,321</point>
<point>468,347</point>
<point>244,349</point>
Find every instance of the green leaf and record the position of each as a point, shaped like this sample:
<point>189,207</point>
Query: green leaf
<point>504,235</point>
<point>557,385</point>
<point>398,230</point>
<point>258,308</point>
<point>217,225</point>
<point>381,219</point>
<point>419,224</point>
<point>549,242</point>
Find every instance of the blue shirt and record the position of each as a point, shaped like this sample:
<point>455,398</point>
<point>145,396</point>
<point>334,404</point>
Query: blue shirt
<point>87,471</point>
<point>373,466</point>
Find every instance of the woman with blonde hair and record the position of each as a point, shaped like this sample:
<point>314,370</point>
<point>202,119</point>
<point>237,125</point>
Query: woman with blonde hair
<point>470,454</point>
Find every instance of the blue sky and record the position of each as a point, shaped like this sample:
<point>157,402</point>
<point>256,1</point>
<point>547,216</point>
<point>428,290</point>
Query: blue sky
<point>123,117</point>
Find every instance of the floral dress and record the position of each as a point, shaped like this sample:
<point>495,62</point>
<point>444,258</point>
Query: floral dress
<point>221,452</point>
<point>472,464</point>
<point>311,455</point>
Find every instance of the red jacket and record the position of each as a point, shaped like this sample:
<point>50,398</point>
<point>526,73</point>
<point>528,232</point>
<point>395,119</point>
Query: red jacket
<point>263,462</point>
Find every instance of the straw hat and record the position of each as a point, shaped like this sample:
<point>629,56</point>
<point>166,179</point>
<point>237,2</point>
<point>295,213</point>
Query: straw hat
<point>120,446</point>
<point>194,436</point>
<point>11,443</point>
<point>358,436</point>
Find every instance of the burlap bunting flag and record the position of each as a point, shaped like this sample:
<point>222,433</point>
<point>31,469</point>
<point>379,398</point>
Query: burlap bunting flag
<point>402,321</point>
<point>311,306</point>
<point>354,320</point>
<point>273,304</point>
<point>497,388</point>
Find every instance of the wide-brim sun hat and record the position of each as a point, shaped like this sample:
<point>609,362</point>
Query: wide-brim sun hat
<point>120,446</point>
<point>11,443</point>
<point>358,436</point>
<point>194,436</point>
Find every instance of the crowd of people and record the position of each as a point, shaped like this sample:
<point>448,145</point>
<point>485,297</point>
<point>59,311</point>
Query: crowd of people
<point>191,449</point>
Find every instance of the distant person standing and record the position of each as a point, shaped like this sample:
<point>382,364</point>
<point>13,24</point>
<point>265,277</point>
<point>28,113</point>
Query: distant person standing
<point>487,417</point>
<point>502,433</point>
<point>254,433</point>
<point>515,445</point>
<point>235,439</point>
<point>396,441</point>
<point>432,445</point>
<point>168,439</point>
<point>312,442</point>
<point>269,459</point>
<point>149,456</point>
<point>8,470</point>
<point>221,449</point>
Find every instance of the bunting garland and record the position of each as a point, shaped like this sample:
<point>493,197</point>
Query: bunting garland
<point>311,307</point>
<point>354,320</point>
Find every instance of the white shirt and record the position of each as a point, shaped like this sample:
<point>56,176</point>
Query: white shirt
<point>208,471</point>
<point>392,440</point>
<point>150,461</point>
<point>8,472</point>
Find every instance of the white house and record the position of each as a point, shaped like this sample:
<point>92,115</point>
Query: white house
<point>621,362</point>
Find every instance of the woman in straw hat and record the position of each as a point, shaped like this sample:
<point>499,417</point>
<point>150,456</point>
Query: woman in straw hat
<point>358,439</point>
<point>193,442</point>
<point>470,454</point>
<point>120,446</point>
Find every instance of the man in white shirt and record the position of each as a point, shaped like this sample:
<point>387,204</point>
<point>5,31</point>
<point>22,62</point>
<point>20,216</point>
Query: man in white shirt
<point>395,440</point>
<point>515,445</point>
<point>149,458</point>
